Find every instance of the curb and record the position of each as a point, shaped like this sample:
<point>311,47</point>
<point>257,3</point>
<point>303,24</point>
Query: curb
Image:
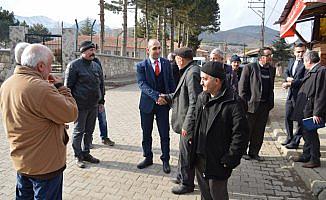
<point>313,180</point>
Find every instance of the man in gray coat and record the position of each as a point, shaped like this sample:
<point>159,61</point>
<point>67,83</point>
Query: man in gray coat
<point>183,102</point>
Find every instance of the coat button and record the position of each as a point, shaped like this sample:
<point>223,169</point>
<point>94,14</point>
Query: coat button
<point>204,175</point>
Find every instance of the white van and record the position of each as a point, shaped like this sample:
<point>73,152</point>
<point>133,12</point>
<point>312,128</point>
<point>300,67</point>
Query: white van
<point>200,60</point>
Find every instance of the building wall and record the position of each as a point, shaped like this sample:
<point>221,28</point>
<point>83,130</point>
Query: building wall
<point>5,63</point>
<point>117,66</point>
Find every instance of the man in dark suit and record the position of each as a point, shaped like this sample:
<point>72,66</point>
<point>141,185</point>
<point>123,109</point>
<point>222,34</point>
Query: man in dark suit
<point>311,103</point>
<point>183,119</point>
<point>256,88</point>
<point>154,77</point>
<point>293,77</point>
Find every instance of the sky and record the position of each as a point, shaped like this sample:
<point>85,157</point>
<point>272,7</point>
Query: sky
<point>233,13</point>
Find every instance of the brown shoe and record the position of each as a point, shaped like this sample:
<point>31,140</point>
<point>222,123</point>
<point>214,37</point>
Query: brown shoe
<point>107,141</point>
<point>311,164</point>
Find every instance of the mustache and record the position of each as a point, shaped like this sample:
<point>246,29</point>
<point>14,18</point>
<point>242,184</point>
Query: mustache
<point>93,54</point>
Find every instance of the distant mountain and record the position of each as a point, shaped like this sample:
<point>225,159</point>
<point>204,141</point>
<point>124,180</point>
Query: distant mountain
<point>249,35</point>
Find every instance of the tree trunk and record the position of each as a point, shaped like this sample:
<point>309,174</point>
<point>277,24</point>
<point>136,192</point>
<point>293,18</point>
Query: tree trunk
<point>172,31</point>
<point>135,30</point>
<point>158,28</point>
<point>146,20</point>
<point>187,40</point>
<point>183,34</point>
<point>125,29</point>
<point>179,34</point>
<point>102,33</point>
<point>164,50</point>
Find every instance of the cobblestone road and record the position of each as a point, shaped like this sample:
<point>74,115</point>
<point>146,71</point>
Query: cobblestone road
<point>117,177</point>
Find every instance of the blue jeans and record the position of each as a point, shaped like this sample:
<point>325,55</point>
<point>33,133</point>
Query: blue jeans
<point>103,124</point>
<point>32,188</point>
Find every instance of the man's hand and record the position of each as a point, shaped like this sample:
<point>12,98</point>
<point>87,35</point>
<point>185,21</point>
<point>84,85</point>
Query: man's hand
<point>65,91</point>
<point>101,108</point>
<point>161,101</point>
<point>317,120</point>
<point>286,85</point>
<point>289,79</point>
<point>54,79</point>
<point>184,133</point>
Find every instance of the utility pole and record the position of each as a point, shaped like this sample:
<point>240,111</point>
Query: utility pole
<point>102,33</point>
<point>258,6</point>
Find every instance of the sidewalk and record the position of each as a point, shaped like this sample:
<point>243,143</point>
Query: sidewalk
<point>315,179</point>
<point>117,177</point>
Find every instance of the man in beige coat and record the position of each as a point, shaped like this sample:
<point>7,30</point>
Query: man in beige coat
<point>35,106</point>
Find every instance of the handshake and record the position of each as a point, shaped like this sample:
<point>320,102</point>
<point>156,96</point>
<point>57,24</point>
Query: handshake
<point>163,99</point>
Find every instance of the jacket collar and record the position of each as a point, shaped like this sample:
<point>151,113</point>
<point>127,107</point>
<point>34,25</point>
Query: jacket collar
<point>27,71</point>
<point>183,77</point>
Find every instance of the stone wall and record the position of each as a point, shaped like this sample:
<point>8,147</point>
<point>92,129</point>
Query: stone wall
<point>5,63</point>
<point>116,66</point>
<point>68,46</point>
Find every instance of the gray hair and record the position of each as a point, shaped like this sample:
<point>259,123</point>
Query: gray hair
<point>171,56</point>
<point>19,51</point>
<point>34,54</point>
<point>311,56</point>
<point>217,51</point>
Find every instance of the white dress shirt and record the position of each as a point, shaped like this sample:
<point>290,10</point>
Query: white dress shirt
<point>153,63</point>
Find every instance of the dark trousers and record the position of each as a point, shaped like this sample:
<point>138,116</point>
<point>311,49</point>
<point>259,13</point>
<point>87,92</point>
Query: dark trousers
<point>162,120</point>
<point>295,139</point>
<point>32,188</point>
<point>83,131</point>
<point>210,189</point>
<point>257,123</point>
<point>186,174</point>
<point>103,124</point>
<point>311,147</point>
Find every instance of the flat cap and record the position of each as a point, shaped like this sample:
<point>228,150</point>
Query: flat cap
<point>184,52</point>
<point>214,69</point>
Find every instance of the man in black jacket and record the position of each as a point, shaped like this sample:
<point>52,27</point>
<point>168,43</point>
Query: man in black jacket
<point>311,102</point>
<point>221,133</point>
<point>85,79</point>
<point>256,88</point>
<point>293,79</point>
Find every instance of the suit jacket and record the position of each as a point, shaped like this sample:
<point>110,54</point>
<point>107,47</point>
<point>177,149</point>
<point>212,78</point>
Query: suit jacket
<point>147,84</point>
<point>297,79</point>
<point>184,100</point>
<point>250,86</point>
<point>312,94</point>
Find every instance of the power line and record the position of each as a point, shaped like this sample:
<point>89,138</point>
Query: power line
<point>271,12</point>
<point>258,7</point>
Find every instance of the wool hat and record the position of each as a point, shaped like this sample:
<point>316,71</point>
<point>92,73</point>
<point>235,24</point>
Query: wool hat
<point>235,58</point>
<point>214,69</point>
<point>184,52</point>
<point>84,46</point>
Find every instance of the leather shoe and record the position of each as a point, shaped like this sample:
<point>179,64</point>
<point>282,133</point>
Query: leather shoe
<point>182,189</point>
<point>258,158</point>
<point>91,159</point>
<point>291,146</point>
<point>166,167</point>
<point>287,141</point>
<point>311,164</point>
<point>300,159</point>
<point>145,163</point>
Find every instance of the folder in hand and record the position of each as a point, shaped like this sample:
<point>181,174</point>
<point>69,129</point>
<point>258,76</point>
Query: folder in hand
<point>309,124</point>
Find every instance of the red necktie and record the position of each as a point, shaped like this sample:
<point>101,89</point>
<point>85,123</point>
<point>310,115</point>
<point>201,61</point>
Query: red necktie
<point>157,68</point>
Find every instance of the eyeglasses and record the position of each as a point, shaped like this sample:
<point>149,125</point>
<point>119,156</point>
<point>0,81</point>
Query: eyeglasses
<point>156,48</point>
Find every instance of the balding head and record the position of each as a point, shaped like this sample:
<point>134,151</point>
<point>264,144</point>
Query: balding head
<point>19,51</point>
<point>154,48</point>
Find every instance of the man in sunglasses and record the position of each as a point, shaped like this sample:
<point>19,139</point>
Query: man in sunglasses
<point>154,77</point>
<point>256,88</point>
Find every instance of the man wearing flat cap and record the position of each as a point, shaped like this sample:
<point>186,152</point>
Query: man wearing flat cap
<point>85,79</point>
<point>183,102</point>
<point>221,133</point>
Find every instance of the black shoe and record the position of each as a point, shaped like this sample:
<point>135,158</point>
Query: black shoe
<point>182,189</point>
<point>91,159</point>
<point>257,157</point>
<point>246,157</point>
<point>145,163</point>
<point>287,141</point>
<point>79,162</point>
<point>107,141</point>
<point>291,146</point>
<point>176,181</point>
<point>166,167</point>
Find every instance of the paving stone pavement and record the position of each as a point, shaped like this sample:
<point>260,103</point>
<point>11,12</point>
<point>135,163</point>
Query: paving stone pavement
<point>117,177</point>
